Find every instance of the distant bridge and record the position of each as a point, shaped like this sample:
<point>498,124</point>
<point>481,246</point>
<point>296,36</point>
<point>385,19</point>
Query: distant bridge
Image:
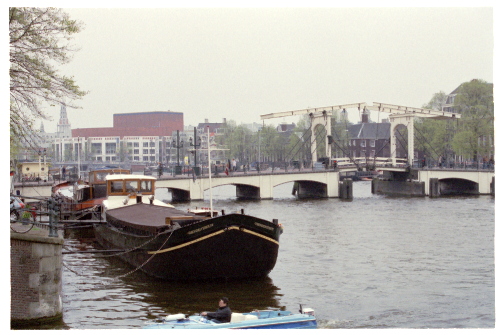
<point>308,184</point>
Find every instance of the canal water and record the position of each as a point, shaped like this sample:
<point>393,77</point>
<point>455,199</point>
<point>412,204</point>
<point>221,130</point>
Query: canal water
<point>372,262</point>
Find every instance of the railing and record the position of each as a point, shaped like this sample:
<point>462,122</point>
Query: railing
<point>22,220</point>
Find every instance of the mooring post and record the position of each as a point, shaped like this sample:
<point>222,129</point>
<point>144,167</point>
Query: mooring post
<point>53,220</point>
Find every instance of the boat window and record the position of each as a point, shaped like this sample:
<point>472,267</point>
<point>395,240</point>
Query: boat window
<point>131,185</point>
<point>146,186</point>
<point>116,186</point>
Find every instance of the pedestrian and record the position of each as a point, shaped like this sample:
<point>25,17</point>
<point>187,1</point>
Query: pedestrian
<point>233,165</point>
<point>63,172</point>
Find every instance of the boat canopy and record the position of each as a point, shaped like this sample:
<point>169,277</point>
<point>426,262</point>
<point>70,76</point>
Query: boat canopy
<point>98,176</point>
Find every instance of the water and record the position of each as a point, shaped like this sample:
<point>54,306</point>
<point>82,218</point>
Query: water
<point>373,262</point>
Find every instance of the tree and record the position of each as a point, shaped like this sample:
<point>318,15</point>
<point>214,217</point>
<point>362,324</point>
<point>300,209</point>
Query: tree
<point>475,134</point>
<point>37,43</point>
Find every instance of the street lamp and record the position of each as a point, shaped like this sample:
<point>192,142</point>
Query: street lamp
<point>178,145</point>
<point>195,145</point>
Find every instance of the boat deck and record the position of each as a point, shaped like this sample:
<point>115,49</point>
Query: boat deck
<point>149,217</point>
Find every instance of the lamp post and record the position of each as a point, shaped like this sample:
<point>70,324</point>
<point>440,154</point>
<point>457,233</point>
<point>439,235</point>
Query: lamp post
<point>178,145</point>
<point>39,164</point>
<point>196,144</point>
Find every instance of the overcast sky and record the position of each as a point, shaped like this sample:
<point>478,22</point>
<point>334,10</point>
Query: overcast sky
<point>238,63</point>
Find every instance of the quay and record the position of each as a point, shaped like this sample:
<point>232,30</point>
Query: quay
<point>36,276</point>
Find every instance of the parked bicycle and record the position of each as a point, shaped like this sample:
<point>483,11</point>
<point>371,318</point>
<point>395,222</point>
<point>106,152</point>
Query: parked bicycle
<point>21,218</point>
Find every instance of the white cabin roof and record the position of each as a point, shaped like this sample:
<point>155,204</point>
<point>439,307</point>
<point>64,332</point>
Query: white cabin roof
<point>128,177</point>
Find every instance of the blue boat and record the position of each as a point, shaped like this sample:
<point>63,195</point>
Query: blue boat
<point>264,319</point>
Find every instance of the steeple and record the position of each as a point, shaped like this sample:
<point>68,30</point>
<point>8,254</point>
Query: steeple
<point>64,127</point>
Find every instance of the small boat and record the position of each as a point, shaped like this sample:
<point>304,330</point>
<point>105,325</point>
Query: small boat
<point>81,199</point>
<point>172,244</point>
<point>264,319</point>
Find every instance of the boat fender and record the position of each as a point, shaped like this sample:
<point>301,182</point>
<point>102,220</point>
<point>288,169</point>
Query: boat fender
<point>174,317</point>
<point>138,199</point>
<point>151,198</point>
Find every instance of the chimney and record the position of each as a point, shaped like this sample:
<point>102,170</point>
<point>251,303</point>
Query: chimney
<point>365,116</point>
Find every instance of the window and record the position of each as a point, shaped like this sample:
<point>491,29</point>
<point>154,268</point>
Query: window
<point>145,144</point>
<point>131,186</point>
<point>372,143</point>
<point>146,186</point>
<point>136,151</point>
<point>152,151</point>
<point>145,158</point>
<point>145,151</point>
<point>152,144</point>
<point>363,143</point>
<point>136,158</point>
<point>136,144</point>
<point>116,186</point>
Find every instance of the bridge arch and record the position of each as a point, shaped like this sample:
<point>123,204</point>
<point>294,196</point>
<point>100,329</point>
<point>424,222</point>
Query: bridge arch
<point>457,186</point>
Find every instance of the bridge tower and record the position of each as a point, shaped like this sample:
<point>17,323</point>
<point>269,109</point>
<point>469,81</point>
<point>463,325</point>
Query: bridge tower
<point>320,117</point>
<point>402,115</point>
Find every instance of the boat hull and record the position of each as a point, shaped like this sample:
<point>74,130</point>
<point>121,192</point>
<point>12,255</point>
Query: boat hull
<point>293,321</point>
<point>228,246</point>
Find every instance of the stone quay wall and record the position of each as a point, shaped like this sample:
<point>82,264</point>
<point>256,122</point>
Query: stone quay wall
<point>36,277</point>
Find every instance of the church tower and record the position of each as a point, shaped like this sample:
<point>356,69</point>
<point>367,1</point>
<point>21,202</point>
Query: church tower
<point>64,127</point>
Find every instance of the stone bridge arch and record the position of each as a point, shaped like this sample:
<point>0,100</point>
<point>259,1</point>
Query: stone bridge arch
<point>457,186</point>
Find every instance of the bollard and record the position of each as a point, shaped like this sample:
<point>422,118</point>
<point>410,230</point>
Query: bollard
<point>53,219</point>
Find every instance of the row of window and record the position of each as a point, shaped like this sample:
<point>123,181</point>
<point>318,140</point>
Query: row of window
<point>363,143</point>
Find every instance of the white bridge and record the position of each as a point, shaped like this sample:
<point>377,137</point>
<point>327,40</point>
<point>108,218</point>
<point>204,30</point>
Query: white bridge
<point>435,182</point>
<point>312,184</point>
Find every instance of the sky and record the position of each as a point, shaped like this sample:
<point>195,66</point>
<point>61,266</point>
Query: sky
<point>239,63</point>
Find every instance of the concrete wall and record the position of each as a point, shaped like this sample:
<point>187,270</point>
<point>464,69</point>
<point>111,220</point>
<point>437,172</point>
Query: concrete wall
<point>35,277</point>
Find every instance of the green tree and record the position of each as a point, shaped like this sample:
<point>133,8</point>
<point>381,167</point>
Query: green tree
<point>38,42</point>
<point>475,132</point>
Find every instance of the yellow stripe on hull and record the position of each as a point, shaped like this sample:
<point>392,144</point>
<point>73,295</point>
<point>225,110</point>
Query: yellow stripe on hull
<point>211,235</point>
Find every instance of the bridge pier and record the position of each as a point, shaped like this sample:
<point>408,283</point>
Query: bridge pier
<point>434,188</point>
<point>398,183</point>
<point>346,189</point>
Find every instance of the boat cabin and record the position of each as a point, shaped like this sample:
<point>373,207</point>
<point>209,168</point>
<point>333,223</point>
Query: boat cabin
<point>124,190</point>
<point>130,184</point>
